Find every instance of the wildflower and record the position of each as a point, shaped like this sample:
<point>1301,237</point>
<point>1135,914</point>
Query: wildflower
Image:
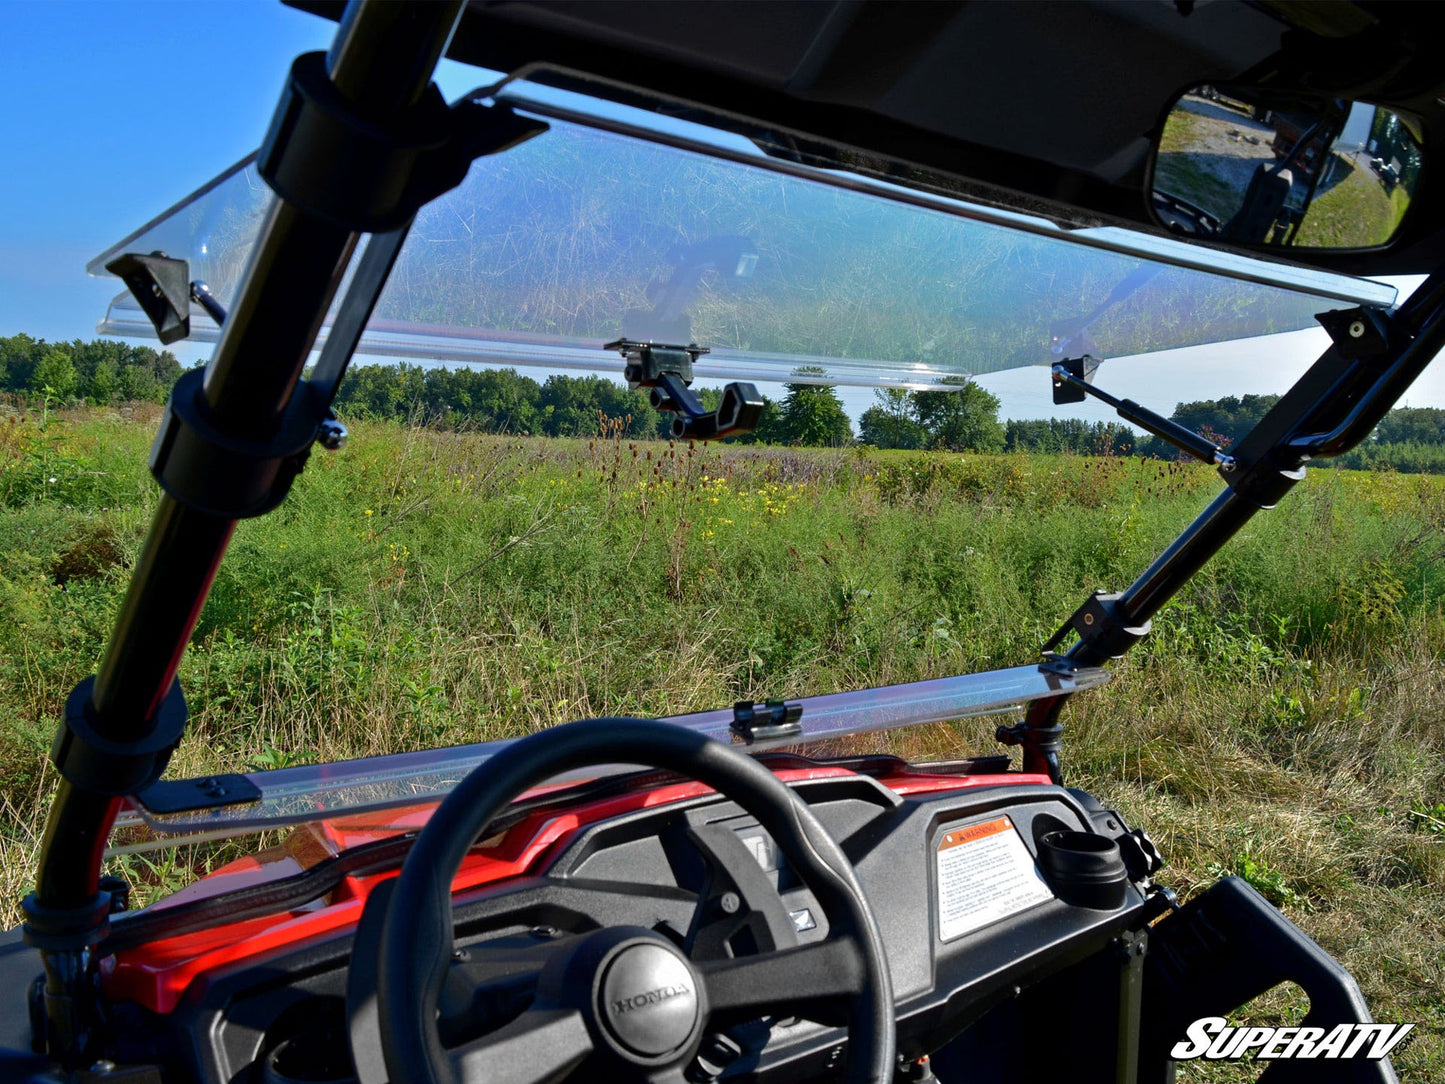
<point>368,511</point>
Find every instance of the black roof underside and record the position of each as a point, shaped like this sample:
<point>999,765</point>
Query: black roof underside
<point>1048,107</point>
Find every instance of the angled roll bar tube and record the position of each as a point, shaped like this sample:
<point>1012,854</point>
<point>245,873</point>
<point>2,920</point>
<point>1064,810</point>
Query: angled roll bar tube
<point>1368,390</point>
<point>1331,408</point>
<point>381,62</point>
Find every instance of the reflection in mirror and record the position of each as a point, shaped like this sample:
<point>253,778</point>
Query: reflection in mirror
<point>1326,174</point>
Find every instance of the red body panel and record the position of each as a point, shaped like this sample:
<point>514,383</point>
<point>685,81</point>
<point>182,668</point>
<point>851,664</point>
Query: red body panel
<point>156,975</point>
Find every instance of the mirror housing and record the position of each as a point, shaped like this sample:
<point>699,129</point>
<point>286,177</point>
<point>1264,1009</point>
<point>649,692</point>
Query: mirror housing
<point>1255,169</point>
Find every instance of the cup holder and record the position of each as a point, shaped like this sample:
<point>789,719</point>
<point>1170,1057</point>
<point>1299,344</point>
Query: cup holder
<point>1084,869</point>
<point>317,1057</point>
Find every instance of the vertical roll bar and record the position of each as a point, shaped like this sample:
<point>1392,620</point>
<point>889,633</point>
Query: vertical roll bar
<point>381,62</point>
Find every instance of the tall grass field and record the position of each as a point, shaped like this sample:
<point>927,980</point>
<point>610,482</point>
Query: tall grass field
<point>1285,721</point>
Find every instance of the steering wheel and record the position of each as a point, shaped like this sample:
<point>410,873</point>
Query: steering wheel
<point>623,1002</point>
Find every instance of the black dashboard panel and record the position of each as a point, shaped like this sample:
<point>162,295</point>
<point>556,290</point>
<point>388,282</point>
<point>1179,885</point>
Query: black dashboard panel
<point>703,874</point>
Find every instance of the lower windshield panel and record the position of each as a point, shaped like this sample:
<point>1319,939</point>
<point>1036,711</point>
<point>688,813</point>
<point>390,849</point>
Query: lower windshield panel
<point>314,792</point>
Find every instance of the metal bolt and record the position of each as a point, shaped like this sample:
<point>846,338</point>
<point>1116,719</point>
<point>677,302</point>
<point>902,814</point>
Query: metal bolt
<point>730,903</point>
<point>332,435</point>
<point>1088,619</point>
<point>1357,329</point>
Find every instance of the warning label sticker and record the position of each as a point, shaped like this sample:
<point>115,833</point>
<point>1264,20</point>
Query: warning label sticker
<point>985,873</point>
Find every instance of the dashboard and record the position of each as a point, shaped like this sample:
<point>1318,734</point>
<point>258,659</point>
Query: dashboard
<point>983,933</point>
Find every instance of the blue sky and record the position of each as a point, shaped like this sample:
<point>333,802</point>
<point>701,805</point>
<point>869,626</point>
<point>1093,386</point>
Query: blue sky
<point>115,109</point>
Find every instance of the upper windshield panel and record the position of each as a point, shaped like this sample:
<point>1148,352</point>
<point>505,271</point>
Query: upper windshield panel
<point>583,235</point>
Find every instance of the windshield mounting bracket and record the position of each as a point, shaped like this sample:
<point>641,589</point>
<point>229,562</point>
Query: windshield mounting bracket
<point>767,721</point>
<point>667,371</point>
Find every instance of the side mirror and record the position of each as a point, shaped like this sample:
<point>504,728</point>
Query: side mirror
<point>1261,171</point>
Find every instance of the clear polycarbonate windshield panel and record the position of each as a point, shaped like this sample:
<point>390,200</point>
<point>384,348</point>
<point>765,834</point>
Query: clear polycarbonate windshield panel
<point>313,792</point>
<point>593,231</point>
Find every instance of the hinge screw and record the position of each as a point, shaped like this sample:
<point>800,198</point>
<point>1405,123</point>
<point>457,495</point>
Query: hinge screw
<point>1357,329</point>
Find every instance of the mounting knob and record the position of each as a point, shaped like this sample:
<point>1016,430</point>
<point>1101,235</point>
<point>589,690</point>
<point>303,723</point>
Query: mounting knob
<point>332,435</point>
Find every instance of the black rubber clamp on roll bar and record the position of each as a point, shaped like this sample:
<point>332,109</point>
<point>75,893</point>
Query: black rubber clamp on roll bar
<point>372,176</point>
<point>115,766</point>
<point>213,471</point>
<point>68,929</point>
<point>1103,625</point>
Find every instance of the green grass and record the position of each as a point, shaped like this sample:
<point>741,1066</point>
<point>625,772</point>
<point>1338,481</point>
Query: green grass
<point>1285,721</point>
<point>1357,212</point>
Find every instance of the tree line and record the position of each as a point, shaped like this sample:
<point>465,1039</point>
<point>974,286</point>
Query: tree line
<point>105,371</point>
<point>100,372</point>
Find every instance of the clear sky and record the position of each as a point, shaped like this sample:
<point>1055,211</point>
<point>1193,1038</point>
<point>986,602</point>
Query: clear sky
<point>116,109</point>
<point>113,111</point>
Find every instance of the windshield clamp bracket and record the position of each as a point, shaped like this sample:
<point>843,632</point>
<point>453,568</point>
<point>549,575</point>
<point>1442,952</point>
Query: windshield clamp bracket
<point>224,475</point>
<point>109,765</point>
<point>1360,334</point>
<point>1104,628</point>
<point>372,175</point>
<point>667,370</point>
<point>1041,745</point>
<point>767,721</point>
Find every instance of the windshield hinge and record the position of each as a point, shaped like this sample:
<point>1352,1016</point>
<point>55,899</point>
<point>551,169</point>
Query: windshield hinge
<point>768,721</point>
<point>1103,625</point>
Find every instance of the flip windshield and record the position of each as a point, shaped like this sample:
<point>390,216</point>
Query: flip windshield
<point>595,230</point>
<point>584,234</point>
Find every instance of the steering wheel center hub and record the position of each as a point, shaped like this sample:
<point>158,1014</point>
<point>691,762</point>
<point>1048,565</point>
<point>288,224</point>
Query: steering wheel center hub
<point>648,1000</point>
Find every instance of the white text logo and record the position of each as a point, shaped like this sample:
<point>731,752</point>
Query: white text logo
<point>1215,1039</point>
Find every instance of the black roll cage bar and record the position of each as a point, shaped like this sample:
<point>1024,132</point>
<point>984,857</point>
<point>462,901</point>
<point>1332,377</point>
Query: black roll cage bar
<point>360,141</point>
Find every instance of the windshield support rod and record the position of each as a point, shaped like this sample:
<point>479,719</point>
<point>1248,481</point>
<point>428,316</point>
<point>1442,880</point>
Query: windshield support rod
<point>381,64</point>
<point>1185,440</point>
<point>372,272</point>
<point>1336,404</point>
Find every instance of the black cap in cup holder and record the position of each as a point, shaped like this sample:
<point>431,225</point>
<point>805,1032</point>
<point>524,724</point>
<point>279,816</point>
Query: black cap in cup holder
<point>1084,869</point>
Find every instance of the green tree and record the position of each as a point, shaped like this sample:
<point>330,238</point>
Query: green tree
<point>570,405</point>
<point>504,401</point>
<point>19,355</point>
<point>965,420</point>
<point>138,383</point>
<point>892,422</point>
<point>812,414</point>
<point>55,375</point>
<point>1230,417</point>
<point>1412,425</point>
<point>103,384</point>
<point>1069,435</point>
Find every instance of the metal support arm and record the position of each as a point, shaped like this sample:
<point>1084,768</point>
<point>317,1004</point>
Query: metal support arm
<point>1336,404</point>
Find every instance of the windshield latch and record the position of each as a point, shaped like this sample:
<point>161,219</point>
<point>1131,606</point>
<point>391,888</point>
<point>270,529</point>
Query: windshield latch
<point>767,721</point>
<point>667,370</point>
